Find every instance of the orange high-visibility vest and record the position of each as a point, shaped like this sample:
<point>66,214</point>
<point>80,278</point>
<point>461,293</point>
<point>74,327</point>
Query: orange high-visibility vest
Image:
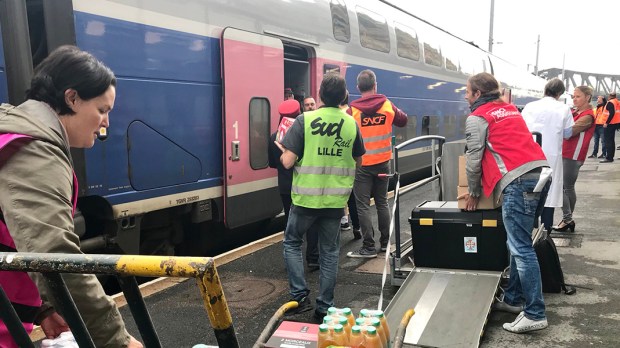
<point>600,117</point>
<point>616,117</point>
<point>376,130</point>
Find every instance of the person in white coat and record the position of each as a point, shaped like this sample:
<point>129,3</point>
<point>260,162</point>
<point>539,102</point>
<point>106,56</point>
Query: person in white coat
<point>554,120</point>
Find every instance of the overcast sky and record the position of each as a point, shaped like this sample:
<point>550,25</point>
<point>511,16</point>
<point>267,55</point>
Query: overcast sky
<point>567,28</point>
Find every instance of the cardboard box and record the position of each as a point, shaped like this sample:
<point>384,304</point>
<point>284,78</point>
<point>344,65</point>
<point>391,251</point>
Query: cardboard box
<point>462,173</point>
<point>292,334</point>
<point>484,202</point>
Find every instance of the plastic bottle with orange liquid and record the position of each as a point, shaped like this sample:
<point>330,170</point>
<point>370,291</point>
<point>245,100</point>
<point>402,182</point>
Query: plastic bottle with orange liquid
<point>340,338</point>
<point>371,338</point>
<point>325,336</point>
<point>357,337</point>
<point>346,312</point>
<point>379,314</point>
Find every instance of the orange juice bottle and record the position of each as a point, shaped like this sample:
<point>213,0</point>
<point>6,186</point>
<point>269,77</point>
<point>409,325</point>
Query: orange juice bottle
<point>340,338</point>
<point>371,338</point>
<point>325,336</point>
<point>345,324</point>
<point>346,312</point>
<point>376,323</point>
<point>381,316</point>
<point>357,338</point>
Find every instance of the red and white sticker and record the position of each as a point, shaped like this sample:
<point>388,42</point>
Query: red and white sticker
<point>471,245</point>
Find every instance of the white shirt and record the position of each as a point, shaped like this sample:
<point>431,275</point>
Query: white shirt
<point>551,118</point>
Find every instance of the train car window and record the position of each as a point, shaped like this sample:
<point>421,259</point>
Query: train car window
<point>331,68</point>
<point>450,65</point>
<point>340,20</point>
<point>412,127</point>
<point>432,55</point>
<point>374,33</point>
<point>260,111</point>
<point>407,44</point>
<point>450,126</point>
<point>430,125</point>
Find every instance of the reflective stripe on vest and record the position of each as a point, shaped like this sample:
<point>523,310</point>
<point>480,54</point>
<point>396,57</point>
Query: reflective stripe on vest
<point>323,177</point>
<point>377,133</point>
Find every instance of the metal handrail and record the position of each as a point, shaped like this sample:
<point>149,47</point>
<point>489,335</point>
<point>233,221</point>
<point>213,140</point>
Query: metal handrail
<point>126,268</point>
<point>434,176</point>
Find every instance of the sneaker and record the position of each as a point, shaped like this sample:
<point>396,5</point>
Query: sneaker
<point>605,161</point>
<point>357,233</point>
<point>522,324</point>
<point>601,156</point>
<point>363,253</point>
<point>345,226</point>
<point>303,306</point>
<point>384,247</point>
<point>592,156</point>
<point>505,307</point>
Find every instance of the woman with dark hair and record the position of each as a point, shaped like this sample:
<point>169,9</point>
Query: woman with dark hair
<point>69,101</point>
<point>574,151</point>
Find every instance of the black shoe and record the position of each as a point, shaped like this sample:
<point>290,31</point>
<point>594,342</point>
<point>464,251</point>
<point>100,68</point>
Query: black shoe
<point>606,161</point>
<point>313,265</point>
<point>563,226</point>
<point>303,306</point>
<point>357,233</point>
<point>601,156</point>
<point>318,316</point>
<point>592,156</point>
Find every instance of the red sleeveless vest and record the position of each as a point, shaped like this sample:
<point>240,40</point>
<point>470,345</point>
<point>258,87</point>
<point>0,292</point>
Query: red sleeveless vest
<point>19,287</point>
<point>576,147</point>
<point>509,143</point>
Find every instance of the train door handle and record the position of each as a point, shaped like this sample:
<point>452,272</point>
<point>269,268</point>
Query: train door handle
<point>234,150</point>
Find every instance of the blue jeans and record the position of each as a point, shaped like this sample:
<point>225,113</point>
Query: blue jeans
<point>598,134</point>
<point>518,212</point>
<point>328,230</point>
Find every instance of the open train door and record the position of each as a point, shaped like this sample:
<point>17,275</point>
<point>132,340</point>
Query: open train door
<point>253,80</point>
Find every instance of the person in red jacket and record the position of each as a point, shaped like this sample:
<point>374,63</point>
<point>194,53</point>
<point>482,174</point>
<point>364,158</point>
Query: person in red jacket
<point>574,151</point>
<point>503,157</point>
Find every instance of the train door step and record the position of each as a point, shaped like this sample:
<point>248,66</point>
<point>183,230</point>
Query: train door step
<point>451,306</point>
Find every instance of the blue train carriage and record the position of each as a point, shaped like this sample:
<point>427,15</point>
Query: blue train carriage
<point>198,88</point>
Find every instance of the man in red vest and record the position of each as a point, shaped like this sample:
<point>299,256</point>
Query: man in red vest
<point>503,157</point>
<point>375,115</point>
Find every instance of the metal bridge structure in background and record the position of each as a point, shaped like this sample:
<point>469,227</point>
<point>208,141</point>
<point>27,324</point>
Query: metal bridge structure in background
<point>602,84</point>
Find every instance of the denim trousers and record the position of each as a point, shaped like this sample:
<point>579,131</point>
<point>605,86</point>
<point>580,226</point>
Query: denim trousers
<point>518,212</point>
<point>328,230</point>
<point>368,183</point>
<point>598,134</point>
<point>570,172</point>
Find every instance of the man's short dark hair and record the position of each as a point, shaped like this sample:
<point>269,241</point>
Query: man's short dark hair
<point>554,88</point>
<point>333,90</point>
<point>366,80</point>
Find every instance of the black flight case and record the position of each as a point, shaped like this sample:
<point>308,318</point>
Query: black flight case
<point>444,236</point>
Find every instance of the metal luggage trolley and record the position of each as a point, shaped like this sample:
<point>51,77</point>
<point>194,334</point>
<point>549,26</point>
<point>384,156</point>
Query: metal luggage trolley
<point>451,305</point>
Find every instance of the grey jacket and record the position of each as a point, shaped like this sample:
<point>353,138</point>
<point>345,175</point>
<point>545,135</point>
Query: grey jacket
<point>36,182</point>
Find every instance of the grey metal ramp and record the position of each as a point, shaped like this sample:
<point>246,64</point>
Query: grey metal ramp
<point>451,306</point>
